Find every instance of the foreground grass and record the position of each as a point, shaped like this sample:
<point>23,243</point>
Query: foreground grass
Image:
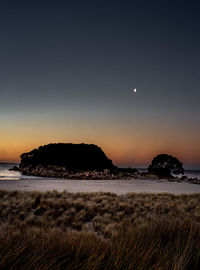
<point>164,245</point>
<point>54,230</point>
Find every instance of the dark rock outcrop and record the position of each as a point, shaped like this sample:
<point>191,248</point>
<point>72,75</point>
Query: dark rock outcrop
<point>14,168</point>
<point>72,161</point>
<point>65,157</point>
<point>184,178</point>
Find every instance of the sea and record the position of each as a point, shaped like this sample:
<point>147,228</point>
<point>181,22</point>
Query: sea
<point>6,174</point>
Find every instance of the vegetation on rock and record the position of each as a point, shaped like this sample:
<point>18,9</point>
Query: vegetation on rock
<point>164,165</point>
<point>68,155</point>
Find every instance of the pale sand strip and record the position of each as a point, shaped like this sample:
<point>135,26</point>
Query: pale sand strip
<point>115,186</point>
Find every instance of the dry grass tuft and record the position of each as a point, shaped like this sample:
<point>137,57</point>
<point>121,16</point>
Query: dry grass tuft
<point>162,245</point>
<point>90,231</point>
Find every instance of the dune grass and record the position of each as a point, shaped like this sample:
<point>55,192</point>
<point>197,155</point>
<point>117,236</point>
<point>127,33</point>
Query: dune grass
<point>55,230</point>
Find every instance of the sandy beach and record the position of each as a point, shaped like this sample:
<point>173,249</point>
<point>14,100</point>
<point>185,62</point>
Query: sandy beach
<point>115,186</point>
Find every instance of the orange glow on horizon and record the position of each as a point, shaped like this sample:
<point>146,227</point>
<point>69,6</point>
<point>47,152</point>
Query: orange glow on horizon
<point>131,147</point>
<point>123,155</point>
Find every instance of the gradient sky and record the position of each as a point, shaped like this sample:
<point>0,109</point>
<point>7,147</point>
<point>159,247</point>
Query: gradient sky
<point>68,70</point>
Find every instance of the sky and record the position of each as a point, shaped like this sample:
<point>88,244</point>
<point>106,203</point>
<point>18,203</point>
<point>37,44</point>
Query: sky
<point>68,70</point>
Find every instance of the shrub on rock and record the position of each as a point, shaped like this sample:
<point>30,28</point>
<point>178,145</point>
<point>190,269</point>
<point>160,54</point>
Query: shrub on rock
<point>164,165</point>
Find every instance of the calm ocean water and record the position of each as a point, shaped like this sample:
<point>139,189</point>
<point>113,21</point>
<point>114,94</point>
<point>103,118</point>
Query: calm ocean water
<point>5,174</point>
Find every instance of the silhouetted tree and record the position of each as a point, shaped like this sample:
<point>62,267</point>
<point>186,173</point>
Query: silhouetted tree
<point>164,165</point>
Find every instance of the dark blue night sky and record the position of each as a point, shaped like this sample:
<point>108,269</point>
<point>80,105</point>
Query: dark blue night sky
<point>68,70</point>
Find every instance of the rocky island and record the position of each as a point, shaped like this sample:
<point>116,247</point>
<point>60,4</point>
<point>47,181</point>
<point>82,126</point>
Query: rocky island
<point>71,161</point>
<point>88,161</point>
